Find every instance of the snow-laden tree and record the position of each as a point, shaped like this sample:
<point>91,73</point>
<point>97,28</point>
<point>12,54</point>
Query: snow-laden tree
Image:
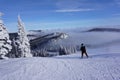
<point>62,50</point>
<point>24,45</point>
<point>5,43</point>
<point>14,52</point>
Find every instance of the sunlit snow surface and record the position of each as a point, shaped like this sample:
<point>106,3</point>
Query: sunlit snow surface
<point>99,66</point>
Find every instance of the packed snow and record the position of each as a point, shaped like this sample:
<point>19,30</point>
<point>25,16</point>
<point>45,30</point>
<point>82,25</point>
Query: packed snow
<point>99,66</point>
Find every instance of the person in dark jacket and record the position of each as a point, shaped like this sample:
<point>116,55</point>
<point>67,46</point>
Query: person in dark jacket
<point>83,51</point>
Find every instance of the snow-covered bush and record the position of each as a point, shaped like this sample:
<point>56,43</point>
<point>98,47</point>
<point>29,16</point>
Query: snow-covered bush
<point>5,43</point>
<point>23,42</point>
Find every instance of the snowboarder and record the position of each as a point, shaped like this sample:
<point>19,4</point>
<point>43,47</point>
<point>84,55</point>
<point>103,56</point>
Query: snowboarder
<point>83,51</point>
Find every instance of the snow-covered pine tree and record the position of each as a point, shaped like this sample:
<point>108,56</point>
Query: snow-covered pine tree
<point>5,43</point>
<point>14,52</point>
<point>24,45</point>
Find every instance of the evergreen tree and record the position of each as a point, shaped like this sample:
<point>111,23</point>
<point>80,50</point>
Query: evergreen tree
<point>14,52</point>
<point>24,45</point>
<point>5,43</point>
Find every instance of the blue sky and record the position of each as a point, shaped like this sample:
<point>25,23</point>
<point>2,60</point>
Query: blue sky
<point>53,14</point>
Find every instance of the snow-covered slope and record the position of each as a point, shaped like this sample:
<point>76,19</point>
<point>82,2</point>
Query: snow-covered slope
<point>100,66</point>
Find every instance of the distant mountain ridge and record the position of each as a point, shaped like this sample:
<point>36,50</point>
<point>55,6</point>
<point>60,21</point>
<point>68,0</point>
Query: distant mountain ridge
<point>103,30</point>
<point>40,39</point>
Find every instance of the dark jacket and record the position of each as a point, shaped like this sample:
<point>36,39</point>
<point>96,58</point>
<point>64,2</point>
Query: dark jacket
<point>83,49</point>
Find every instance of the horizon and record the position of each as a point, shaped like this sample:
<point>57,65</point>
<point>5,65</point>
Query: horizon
<point>60,14</point>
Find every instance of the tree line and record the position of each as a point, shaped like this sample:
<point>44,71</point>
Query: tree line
<point>21,45</point>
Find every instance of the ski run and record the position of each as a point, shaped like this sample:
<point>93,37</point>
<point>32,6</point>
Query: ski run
<point>103,66</point>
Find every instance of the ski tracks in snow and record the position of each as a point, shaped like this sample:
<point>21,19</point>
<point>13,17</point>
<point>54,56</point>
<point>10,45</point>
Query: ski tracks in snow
<point>92,69</point>
<point>71,72</point>
<point>62,68</point>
